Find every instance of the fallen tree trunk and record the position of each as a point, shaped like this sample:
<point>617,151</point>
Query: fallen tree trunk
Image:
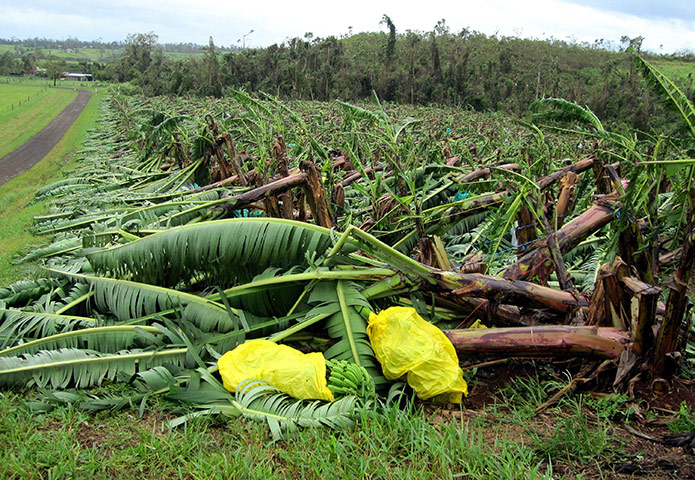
<point>567,238</point>
<point>499,315</point>
<point>452,285</point>
<point>485,172</point>
<point>526,231</point>
<point>580,166</point>
<point>315,195</point>
<point>502,290</point>
<point>369,171</point>
<point>473,206</point>
<point>215,185</point>
<point>540,341</point>
<point>565,199</point>
<point>282,166</point>
<point>272,188</point>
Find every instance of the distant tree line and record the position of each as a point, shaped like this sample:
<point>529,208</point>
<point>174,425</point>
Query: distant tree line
<point>74,43</point>
<point>50,44</point>
<point>465,68</point>
<point>27,63</point>
<point>28,54</point>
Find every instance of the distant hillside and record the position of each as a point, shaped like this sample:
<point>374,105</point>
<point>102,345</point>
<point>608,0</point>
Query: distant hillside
<point>465,68</point>
<point>73,50</point>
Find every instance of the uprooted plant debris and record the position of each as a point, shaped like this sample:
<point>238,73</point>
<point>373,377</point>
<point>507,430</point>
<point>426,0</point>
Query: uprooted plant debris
<point>193,226</point>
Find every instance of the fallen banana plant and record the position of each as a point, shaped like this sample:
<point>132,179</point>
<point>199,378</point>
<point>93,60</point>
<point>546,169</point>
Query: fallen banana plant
<point>188,237</point>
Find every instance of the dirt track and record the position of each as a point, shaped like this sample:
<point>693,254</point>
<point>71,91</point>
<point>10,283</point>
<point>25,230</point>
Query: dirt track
<point>32,152</point>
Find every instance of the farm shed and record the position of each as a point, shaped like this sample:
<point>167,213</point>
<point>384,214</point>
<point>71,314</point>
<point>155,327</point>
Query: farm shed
<point>78,77</point>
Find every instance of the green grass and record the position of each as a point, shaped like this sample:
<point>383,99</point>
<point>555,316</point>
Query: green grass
<point>7,48</point>
<point>82,54</point>
<point>27,81</point>
<point>388,442</point>
<point>16,195</point>
<point>612,407</point>
<point>575,438</point>
<point>67,443</point>
<point>523,395</point>
<point>76,55</point>
<point>87,54</point>
<point>11,96</point>
<point>25,110</point>
<point>45,82</point>
<point>684,421</point>
<point>676,69</point>
<point>181,55</point>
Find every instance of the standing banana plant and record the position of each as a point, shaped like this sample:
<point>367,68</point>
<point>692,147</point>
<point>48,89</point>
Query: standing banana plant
<point>680,173</point>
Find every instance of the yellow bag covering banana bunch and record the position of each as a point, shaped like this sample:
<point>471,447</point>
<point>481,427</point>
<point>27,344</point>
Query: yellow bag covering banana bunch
<point>300,375</point>
<point>404,343</point>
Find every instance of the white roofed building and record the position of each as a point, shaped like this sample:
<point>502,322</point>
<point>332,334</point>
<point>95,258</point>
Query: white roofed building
<point>78,77</point>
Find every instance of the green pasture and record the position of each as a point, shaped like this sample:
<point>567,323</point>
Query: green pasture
<point>26,81</point>
<point>88,54</point>
<point>180,55</point>
<point>84,54</point>
<point>75,54</point>
<point>8,48</point>
<point>25,110</point>
<point>45,82</point>
<point>676,69</point>
<point>12,96</point>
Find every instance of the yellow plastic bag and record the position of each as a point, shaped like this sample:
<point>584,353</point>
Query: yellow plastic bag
<point>478,324</point>
<point>404,343</point>
<point>297,374</point>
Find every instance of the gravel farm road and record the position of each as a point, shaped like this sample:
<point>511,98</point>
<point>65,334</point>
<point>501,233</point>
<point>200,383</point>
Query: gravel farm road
<point>33,150</point>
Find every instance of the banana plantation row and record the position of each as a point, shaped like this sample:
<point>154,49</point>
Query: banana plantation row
<point>192,226</point>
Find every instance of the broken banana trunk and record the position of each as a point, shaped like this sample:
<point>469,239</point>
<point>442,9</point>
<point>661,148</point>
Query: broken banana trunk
<point>541,341</point>
<point>516,292</point>
<point>567,238</point>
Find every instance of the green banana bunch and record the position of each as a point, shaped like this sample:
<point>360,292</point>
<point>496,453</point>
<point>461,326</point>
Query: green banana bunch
<point>346,378</point>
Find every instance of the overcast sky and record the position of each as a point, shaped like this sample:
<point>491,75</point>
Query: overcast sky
<point>666,25</point>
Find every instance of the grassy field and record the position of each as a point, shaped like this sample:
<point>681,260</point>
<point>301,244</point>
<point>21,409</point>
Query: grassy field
<point>76,55</point>
<point>89,54</point>
<point>16,195</point>
<point>70,444</point>
<point>12,96</point>
<point>676,69</point>
<point>85,54</point>
<point>25,110</point>
<point>184,56</point>
<point>8,48</point>
<point>27,81</point>
<point>45,82</point>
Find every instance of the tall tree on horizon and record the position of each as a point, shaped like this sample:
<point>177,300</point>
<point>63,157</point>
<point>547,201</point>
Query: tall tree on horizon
<point>212,71</point>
